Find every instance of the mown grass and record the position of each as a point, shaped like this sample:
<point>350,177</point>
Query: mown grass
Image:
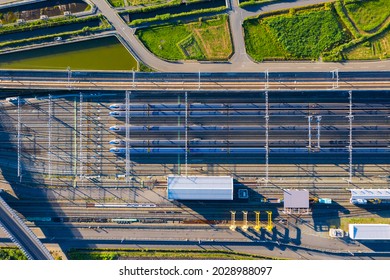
<point>368,14</point>
<point>11,254</point>
<point>297,35</point>
<point>146,2</point>
<point>207,39</point>
<point>378,48</point>
<point>144,254</point>
<point>261,43</point>
<point>117,3</point>
<point>346,221</point>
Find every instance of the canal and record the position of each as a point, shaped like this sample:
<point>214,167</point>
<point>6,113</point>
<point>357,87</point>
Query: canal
<point>96,54</point>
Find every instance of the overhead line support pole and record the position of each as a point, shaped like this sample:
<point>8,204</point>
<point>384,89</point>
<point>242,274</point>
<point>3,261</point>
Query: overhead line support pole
<point>266,74</point>
<point>318,132</point>
<point>266,139</point>
<point>19,139</point>
<point>199,80</point>
<point>49,134</point>
<point>309,118</point>
<point>133,78</point>
<point>350,146</point>
<point>81,159</point>
<point>127,101</point>
<point>186,133</point>
<point>335,78</point>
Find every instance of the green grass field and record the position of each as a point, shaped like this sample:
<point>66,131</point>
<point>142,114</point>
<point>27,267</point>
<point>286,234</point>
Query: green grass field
<point>300,35</point>
<point>202,40</point>
<point>368,14</point>
<point>146,2</point>
<point>261,43</point>
<point>376,49</point>
<point>346,221</point>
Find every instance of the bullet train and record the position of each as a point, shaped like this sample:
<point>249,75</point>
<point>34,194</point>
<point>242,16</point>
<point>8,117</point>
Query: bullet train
<point>243,150</point>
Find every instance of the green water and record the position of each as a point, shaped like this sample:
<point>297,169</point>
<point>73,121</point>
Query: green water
<point>97,54</point>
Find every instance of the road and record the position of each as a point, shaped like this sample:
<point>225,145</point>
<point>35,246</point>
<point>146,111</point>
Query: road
<point>286,242</point>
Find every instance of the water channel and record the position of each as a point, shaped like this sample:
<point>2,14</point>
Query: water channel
<point>96,54</point>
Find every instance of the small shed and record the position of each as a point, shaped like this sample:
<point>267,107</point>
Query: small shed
<point>200,187</point>
<point>296,201</point>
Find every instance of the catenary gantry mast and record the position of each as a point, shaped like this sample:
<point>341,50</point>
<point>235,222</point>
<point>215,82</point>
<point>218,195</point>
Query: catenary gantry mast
<point>127,101</point>
<point>81,156</point>
<point>19,140</point>
<point>350,145</point>
<point>49,134</point>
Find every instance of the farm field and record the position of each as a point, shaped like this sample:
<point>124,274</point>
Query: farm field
<point>207,39</point>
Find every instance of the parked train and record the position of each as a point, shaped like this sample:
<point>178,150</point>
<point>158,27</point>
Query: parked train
<point>198,128</point>
<point>196,114</point>
<point>230,150</point>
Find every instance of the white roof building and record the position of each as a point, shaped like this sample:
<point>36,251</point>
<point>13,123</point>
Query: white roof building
<point>200,187</point>
<point>370,193</point>
<point>369,231</point>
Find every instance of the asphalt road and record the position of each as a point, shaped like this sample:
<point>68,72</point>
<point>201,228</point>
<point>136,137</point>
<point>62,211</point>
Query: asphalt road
<point>285,242</point>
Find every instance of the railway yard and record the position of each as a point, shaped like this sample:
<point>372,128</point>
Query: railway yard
<point>72,148</point>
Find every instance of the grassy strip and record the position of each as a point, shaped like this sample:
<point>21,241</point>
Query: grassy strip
<point>145,68</point>
<point>29,26</point>
<point>85,30</point>
<point>117,3</point>
<point>113,254</point>
<point>346,221</point>
<point>7,253</point>
<point>171,4</point>
<point>168,16</point>
<point>104,25</point>
<point>345,19</point>
<point>255,2</point>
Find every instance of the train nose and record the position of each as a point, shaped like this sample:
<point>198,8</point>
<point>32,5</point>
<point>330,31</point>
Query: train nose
<point>113,142</point>
<point>114,128</point>
<point>114,114</point>
<point>113,150</point>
